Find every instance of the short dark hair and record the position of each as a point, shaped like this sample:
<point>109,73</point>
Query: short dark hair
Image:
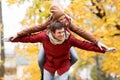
<point>56,25</point>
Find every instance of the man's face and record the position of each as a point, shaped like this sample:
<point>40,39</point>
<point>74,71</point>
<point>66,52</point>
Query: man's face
<point>59,34</point>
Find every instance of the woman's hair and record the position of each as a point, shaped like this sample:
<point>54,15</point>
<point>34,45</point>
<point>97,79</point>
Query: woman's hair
<point>56,25</point>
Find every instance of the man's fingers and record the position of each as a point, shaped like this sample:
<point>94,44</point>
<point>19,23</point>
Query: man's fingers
<point>12,38</point>
<point>100,45</point>
<point>111,50</point>
<point>114,50</point>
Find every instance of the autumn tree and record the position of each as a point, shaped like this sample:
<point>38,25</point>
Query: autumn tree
<point>105,27</point>
<point>36,13</point>
<point>100,17</point>
<point>2,59</point>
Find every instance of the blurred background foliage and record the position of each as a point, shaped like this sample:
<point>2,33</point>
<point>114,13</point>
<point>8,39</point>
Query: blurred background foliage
<point>100,17</point>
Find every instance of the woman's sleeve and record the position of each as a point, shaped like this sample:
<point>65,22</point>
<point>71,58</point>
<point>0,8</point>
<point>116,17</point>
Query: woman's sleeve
<point>34,29</point>
<point>86,35</point>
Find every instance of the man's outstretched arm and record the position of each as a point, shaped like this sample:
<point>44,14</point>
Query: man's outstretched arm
<point>28,38</point>
<point>88,46</point>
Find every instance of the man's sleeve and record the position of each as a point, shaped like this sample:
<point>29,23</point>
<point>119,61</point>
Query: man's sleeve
<point>85,45</point>
<point>82,33</point>
<point>30,38</point>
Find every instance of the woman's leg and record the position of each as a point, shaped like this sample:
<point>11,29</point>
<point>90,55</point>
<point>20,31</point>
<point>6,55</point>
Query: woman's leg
<point>73,56</point>
<point>41,59</point>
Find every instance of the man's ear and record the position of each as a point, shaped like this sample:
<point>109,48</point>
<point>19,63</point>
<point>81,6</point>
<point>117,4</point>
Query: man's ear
<point>53,33</point>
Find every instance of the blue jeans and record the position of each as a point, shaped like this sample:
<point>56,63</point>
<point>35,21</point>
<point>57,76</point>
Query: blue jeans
<point>41,58</point>
<point>50,76</point>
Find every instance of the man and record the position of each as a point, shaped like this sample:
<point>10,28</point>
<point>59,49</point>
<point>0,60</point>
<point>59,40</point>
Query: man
<point>59,15</point>
<point>41,58</point>
<point>57,42</point>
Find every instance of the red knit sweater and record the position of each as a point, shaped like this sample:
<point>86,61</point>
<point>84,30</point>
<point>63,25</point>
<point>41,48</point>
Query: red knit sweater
<point>57,56</point>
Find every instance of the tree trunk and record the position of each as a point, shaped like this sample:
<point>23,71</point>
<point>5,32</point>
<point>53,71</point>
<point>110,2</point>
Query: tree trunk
<point>2,71</point>
<point>98,68</point>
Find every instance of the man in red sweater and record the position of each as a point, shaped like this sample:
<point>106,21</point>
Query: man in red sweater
<point>58,14</point>
<point>57,42</point>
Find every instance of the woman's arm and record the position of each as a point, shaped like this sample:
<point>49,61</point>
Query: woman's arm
<point>59,15</point>
<point>36,28</point>
<point>84,34</point>
<point>30,30</point>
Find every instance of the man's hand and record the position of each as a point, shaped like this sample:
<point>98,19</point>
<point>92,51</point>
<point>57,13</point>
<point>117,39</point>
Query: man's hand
<point>100,45</point>
<point>7,39</point>
<point>111,50</point>
<point>10,38</point>
<point>13,37</point>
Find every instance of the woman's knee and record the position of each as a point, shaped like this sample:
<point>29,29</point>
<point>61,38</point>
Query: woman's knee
<point>41,55</point>
<point>73,55</point>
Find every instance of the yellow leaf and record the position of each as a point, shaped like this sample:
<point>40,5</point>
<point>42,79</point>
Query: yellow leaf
<point>11,1</point>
